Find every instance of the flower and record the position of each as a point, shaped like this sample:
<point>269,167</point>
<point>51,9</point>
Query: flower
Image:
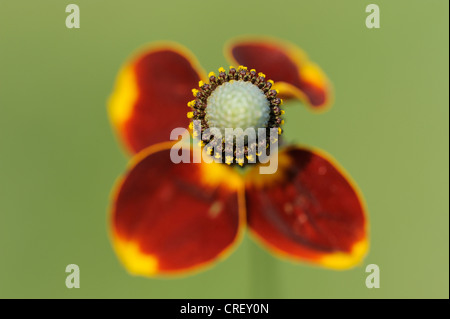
<point>169,219</point>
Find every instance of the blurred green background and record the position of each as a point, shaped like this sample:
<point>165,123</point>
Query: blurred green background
<point>59,157</point>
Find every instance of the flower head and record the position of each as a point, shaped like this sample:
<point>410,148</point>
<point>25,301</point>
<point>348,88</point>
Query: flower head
<point>240,99</point>
<point>172,218</point>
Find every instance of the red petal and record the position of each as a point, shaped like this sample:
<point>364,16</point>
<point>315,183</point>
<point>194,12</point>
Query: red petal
<point>151,95</point>
<point>309,210</point>
<point>287,65</point>
<point>173,218</point>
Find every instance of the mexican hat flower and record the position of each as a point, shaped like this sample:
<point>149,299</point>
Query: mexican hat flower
<point>172,218</point>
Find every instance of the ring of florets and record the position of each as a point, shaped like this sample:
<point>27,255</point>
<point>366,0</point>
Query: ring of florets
<point>199,107</point>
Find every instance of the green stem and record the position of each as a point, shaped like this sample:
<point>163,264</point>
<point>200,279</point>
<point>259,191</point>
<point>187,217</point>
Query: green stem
<point>264,279</point>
